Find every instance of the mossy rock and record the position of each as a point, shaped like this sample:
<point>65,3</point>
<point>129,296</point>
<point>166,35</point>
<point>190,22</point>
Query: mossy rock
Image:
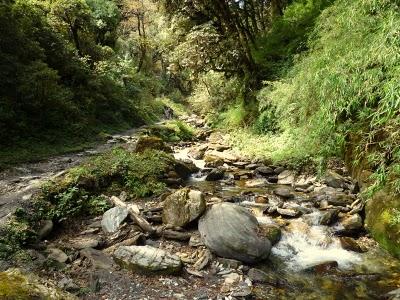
<point>380,220</point>
<point>151,143</point>
<point>18,286</point>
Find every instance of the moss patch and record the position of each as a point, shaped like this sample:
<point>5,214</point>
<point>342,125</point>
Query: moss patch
<point>17,286</point>
<point>380,213</point>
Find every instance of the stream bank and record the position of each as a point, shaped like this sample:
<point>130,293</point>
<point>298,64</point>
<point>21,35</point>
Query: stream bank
<point>321,250</point>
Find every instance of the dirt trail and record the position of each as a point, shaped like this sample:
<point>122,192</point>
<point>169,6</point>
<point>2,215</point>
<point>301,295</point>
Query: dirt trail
<point>18,183</point>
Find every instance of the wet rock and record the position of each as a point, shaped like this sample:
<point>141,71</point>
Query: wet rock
<point>288,212</point>
<point>151,143</point>
<point>286,178</point>
<point>261,200</point>
<point>272,232</point>
<point>231,231</point>
<point>184,168</point>
<point>57,255</point>
<point>334,180</point>
<point>352,222</point>
<point>322,268</point>
<point>329,217</point>
<point>45,229</point>
<point>216,174</point>
<point>97,259</point>
<point>351,245</point>
<point>183,207</point>
<point>259,276</point>
<point>333,197</point>
<point>113,218</point>
<point>198,152</point>
<point>284,192</point>
<point>256,182</point>
<point>264,171</point>
<point>147,259</point>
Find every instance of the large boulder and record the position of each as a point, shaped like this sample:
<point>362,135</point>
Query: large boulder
<point>231,231</point>
<point>183,207</point>
<point>147,259</point>
<point>113,218</point>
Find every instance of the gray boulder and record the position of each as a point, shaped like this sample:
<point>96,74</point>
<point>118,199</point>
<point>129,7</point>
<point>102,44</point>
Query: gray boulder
<point>113,218</point>
<point>216,174</point>
<point>231,231</point>
<point>183,207</point>
<point>352,222</point>
<point>147,259</point>
<point>334,180</point>
<point>286,178</point>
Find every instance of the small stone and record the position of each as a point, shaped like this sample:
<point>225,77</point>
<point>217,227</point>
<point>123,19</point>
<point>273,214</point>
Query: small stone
<point>195,241</point>
<point>256,182</point>
<point>286,178</point>
<point>147,259</point>
<point>288,212</point>
<point>98,259</point>
<point>329,217</point>
<point>259,276</point>
<point>229,263</point>
<point>215,174</point>
<point>57,255</point>
<point>334,180</point>
<point>272,232</point>
<point>261,200</point>
<point>279,170</point>
<point>264,171</point>
<point>284,192</point>
<point>322,268</point>
<point>84,242</point>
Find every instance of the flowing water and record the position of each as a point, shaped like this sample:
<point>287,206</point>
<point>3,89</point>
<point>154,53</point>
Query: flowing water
<point>305,243</point>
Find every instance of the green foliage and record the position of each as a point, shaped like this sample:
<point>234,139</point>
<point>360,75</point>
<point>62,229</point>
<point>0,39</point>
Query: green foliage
<point>13,235</point>
<point>346,83</point>
<point>80,191</point>
<point>287,37</point>
<point>214,93</point>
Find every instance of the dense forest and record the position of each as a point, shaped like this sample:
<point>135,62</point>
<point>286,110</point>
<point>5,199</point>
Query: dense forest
<point>306,85</point>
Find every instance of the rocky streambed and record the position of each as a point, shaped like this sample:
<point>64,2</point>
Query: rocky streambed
<point>235,229</point>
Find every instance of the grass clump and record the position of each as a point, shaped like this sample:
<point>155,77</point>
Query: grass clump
<point>173,131</point>
<point>81,192</point>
